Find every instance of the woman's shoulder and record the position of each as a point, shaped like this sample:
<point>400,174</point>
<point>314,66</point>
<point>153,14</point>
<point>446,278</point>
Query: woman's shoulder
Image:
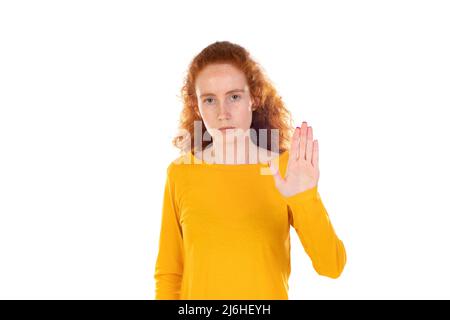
<point>177,162</point>
<point>181,159</point>
<point>266,155</point>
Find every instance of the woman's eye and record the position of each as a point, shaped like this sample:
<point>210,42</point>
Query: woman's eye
<point>234,95</point>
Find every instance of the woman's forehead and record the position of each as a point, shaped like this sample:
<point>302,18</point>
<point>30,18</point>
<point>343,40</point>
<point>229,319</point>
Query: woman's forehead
<point>220,85</point>
<point>219,74</point>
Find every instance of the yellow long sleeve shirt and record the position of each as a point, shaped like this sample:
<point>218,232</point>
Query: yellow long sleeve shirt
<point>225,232</point>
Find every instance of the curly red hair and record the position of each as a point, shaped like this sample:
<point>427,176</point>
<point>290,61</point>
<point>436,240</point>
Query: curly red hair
<point>270,111</point>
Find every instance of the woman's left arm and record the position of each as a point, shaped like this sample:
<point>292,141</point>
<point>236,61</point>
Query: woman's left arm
<point>307,214</point>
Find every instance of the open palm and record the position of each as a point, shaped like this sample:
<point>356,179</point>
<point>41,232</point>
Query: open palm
<point>302,171</point>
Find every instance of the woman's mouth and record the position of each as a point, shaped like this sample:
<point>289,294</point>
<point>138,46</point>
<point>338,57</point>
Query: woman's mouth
<point>223,129</point>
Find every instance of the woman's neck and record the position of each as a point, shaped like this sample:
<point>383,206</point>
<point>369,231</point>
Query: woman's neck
<point>235,153</point>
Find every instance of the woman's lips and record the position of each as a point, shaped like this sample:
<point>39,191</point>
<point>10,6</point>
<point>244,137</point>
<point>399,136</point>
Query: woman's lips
<point>225,128</point>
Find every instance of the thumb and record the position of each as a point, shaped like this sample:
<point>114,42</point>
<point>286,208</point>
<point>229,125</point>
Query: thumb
<point>276,174</point>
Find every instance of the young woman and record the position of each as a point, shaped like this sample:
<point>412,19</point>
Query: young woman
<point>228,204</point>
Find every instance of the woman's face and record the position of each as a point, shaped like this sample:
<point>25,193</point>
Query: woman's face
<point>224,99</point>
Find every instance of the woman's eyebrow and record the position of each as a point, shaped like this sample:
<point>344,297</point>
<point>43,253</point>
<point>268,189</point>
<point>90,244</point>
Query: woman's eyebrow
<point>212,94</point>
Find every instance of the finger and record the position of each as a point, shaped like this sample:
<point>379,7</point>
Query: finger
<point>276,174</point>
<point>293,154</point>
<point>309,145</point>
<point>315,157</point>
<point>302,151</point>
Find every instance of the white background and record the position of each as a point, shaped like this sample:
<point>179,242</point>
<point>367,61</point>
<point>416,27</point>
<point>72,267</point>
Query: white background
<point>89,104</point>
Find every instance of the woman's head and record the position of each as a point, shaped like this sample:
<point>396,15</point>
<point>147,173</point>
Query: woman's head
<point>210,102</point>
<point>223,99</point>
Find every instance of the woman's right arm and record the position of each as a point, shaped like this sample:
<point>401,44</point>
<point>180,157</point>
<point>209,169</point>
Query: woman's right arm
<point>169,264</point>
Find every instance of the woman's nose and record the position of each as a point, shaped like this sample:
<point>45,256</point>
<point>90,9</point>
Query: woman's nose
<point>223,111</point>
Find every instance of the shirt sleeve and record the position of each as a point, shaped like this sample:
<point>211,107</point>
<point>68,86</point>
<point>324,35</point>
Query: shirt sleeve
<point>169,263</point>
<point>309,217</point>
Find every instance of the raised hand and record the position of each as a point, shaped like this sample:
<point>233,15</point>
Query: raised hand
<point>302,171</point>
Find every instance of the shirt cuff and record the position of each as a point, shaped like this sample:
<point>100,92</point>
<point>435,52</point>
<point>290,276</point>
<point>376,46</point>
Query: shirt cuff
<point>303,196</point>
